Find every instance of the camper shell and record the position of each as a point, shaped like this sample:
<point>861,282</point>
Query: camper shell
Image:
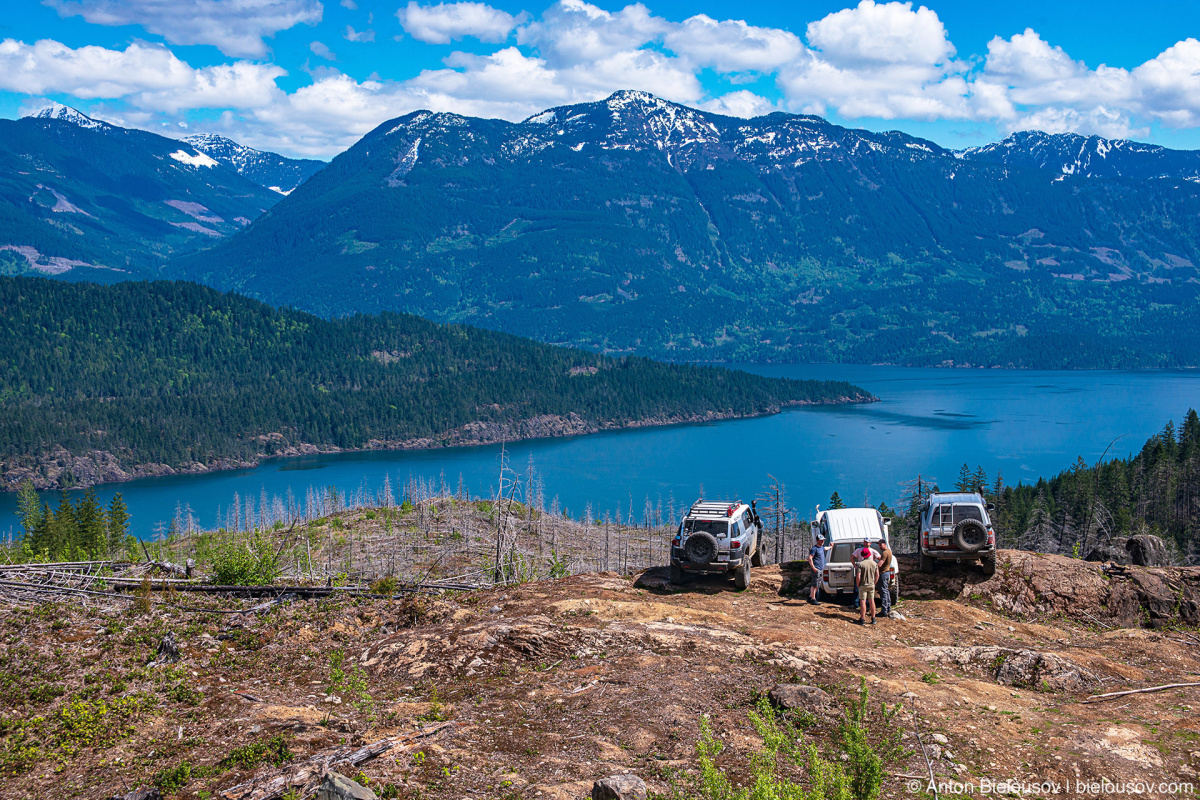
<point>844,530</point>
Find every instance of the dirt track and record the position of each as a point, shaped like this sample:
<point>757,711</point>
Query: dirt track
<point>551,685</point>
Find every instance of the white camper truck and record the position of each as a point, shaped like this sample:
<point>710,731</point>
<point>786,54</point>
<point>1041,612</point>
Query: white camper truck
<point>844,531</point>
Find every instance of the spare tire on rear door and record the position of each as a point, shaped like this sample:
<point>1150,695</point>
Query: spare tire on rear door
<point>970,536</point>
<point>701,548</point>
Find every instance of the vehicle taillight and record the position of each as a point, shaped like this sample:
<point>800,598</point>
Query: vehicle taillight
<point>825,574</point>
<point>735,544</point>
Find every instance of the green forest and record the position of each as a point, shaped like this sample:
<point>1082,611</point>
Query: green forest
<point>1155,491</point>
<point>175,373</point>
<point>71,531</point>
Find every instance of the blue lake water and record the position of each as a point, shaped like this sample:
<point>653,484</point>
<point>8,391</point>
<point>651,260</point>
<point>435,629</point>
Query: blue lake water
<point>929,421</point>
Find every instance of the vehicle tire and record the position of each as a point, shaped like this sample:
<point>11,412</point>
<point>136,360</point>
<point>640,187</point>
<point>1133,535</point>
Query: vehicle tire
<point>741,576</point>
<point>677,575</point>
<point>926,563</point>
<point>989,563</point>
<point>895,588</point>
<point>969,536</point>
<point>701,548</point>
<point>756,559</point>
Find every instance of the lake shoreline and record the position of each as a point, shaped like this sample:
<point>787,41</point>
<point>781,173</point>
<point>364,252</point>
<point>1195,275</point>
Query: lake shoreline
<point>59,469</point>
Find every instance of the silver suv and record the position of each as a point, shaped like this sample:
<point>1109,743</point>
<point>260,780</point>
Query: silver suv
<point>956,526</point>
<point>717,538</point>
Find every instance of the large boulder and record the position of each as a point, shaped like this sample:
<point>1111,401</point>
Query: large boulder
<point>339,787</point>
<point>799,697</point>
<point>1147,551</point>
<point>1109,553</point>
<point>620,787</point>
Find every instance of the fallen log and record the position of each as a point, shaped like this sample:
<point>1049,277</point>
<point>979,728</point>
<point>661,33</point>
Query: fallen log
<point>308,774</point>
<point>1098,698</point>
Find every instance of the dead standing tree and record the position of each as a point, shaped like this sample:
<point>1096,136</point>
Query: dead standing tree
<point>506,540</point>
<point>775,513</point>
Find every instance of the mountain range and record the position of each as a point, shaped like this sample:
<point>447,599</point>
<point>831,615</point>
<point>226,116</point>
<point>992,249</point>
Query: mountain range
<point>84,198</point>
<point>634,224</point>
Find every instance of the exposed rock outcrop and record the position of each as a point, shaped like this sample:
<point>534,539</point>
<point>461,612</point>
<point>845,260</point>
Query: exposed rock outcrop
<point>1037,586</point>
<point>1026,669</point>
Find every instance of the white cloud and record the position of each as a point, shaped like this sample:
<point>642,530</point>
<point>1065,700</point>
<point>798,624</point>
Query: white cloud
<point>742,103</point>
<point>881,33</point>
<point>236,27</point>
<point>1100,121</point>
<point>732,45</point>
<point>879,60</point>
<point>1169,84</point>
<point>146,75</point>
<point>446,22</point>
<point>350,4</point>
<point>575,32</point>
<point>320,49</point>
<point>358,36</point>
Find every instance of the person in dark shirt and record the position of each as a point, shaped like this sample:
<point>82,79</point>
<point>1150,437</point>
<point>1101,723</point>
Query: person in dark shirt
<point>816,562</point>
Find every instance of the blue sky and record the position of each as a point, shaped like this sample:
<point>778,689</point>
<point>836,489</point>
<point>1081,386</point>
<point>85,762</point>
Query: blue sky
<point>309,77</point>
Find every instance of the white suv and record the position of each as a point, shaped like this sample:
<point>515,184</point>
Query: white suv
<point>717,538</point>
<point>844,530</point>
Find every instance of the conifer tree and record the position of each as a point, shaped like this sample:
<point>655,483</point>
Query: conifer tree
<point>118,523</point>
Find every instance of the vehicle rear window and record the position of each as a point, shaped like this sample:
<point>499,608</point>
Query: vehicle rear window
<point>706,526</point>
<point>843,552</point>
<point>966,512</point>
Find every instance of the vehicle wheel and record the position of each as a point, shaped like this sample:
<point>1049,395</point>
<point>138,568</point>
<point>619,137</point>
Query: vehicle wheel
<point>969,536</point>
<point>741,576</point>
<point>756,559</point>
<point>677,575</point>
<point>701,548</point>
<point>895,588</point>
<point>989,563</point>
<point>926,563</point>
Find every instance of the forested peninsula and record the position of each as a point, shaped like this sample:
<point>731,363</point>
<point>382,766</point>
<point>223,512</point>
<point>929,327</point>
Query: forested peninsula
<point>108,383</point>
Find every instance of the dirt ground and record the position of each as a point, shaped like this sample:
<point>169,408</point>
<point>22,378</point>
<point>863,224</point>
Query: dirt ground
<point>548,686</point>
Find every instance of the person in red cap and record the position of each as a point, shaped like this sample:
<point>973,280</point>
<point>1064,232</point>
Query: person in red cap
<point>866,575</point>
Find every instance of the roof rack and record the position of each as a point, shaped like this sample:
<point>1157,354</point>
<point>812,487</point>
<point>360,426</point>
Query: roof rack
<point>713,509</point>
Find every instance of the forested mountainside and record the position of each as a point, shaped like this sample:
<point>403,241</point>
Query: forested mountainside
<point>86,199</point>
<point>1089,506</point>
<point>99,382</point>
<point>638,225</point>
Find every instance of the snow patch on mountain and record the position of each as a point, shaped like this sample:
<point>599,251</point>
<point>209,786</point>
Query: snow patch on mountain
<point>405,164</point>
<point>194,160</point>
